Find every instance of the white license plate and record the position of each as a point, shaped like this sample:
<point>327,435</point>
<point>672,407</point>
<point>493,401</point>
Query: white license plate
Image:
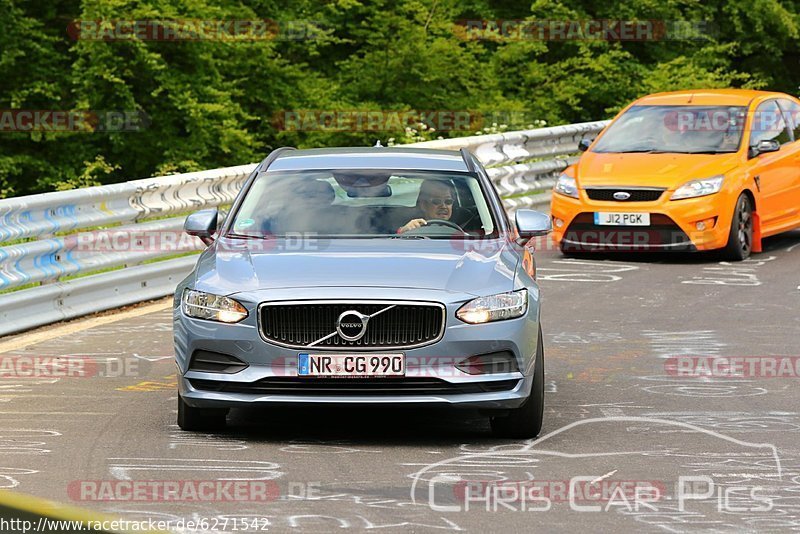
<point>351,365</point>
<point>621,219</point>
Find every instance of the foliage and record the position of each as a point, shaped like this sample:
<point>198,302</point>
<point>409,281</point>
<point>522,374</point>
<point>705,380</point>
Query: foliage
<point>213,103</point>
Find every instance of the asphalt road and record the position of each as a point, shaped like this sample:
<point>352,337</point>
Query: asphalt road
<point>617,413</point>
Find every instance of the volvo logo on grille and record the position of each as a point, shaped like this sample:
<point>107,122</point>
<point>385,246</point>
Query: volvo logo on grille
<point>352,325</point>
<point>622,195</point>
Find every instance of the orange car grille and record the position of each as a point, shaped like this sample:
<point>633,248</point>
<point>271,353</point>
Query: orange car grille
<point>636,195</point>
<point>662,233</point>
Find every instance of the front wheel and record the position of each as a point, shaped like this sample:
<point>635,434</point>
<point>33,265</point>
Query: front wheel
<point>526,421</point>
<point>191,418</point>
<point>740,237</point>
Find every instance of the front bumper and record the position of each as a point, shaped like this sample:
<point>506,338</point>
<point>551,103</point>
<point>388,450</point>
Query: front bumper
<point>673,224</point>
<point>508,399</point>
<point>271,374</point>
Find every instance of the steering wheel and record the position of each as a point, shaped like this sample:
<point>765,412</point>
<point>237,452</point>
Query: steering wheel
<point>444,222</point>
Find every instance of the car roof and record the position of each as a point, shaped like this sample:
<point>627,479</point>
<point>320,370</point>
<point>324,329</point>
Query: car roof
<point>423,159</point>
<point>707,97</point>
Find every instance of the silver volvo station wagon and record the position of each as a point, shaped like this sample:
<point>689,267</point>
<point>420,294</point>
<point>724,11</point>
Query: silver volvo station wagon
<point>377,276</point>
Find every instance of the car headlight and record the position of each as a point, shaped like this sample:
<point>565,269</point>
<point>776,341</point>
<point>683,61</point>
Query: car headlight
<point>494,308</point>
<point>699,188</point>
<point>566,185</point>
<point>202,305</point>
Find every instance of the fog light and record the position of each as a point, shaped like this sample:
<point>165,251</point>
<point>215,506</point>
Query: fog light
<point>558,222</point>
<point>706,224</point>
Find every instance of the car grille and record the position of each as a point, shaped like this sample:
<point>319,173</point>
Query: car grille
<point>299,324</point>
<point>583,235</point>
<point>352,386</point>
<point>636,195</point>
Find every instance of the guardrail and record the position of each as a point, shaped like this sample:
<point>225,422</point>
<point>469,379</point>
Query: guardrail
<point>519,163</point>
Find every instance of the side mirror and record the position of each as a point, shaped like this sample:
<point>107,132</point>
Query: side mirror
<point>202,224</point>
<point>532,223</point>
<point>583,144</point>
<point>764,146</point>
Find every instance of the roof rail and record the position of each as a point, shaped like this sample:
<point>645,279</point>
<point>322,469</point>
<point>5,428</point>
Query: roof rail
<point>271,157</point>
<point>467,156</point>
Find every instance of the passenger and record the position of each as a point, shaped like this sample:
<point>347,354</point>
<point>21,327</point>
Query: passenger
<point>309,210</point>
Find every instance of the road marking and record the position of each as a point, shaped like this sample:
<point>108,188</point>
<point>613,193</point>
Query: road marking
<point>170,383</point>
<point>126,468</point>
<point>601,478</point>
<point>743,273</point>
<point>24,340</point>
<point>583,271</point>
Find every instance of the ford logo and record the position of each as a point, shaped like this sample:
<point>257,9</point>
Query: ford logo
<point>622,195</point>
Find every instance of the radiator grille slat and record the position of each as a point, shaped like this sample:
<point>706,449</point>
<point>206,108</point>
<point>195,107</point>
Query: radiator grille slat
<point>298,324</point>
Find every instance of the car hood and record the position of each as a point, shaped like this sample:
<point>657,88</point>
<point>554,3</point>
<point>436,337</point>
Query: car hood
<point>469,267</point>
<point>650,170</point>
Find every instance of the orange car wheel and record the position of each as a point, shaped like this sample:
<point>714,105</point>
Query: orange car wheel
<point>740,238</point>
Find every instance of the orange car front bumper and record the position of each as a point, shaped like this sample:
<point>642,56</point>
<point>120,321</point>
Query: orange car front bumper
<point>674,224</point>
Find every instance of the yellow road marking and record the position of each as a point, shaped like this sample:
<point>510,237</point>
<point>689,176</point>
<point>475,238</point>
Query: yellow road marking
<point>170,383</point>
<point>23,340</point>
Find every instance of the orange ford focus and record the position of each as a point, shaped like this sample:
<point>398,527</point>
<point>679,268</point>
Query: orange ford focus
<point>688,170</point>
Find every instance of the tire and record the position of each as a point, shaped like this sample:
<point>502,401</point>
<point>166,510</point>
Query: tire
<point>740,237</point>
<point>190,418</point>
<point>525,422</point>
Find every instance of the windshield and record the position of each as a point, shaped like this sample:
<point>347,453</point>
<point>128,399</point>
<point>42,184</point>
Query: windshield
<point>364,203</point>
<point>676,129</point>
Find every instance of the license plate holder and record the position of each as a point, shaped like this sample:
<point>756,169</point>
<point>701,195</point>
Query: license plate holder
<point>605,218</point>
<point>350,365</point>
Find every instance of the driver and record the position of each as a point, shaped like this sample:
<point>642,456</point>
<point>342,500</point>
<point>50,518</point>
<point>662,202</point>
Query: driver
<point>435,201</point>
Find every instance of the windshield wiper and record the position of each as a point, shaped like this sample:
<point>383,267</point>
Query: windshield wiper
<point>656,151</point>
<point>402,236</point>
<point>708,152</point>
<point>635,151</point>
<point>234,235</point>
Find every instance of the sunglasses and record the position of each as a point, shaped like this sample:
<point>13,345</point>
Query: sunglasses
<point>440,201</point>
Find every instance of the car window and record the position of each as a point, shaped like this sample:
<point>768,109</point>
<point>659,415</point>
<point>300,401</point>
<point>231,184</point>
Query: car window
<point>768,123</point>
<point>791,111</point>
<point>364,203</point>
<point>681,129</point>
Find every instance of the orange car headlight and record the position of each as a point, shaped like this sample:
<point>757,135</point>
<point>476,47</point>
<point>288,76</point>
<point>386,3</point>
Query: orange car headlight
<point>566,185</point>
<point>699,188</point>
